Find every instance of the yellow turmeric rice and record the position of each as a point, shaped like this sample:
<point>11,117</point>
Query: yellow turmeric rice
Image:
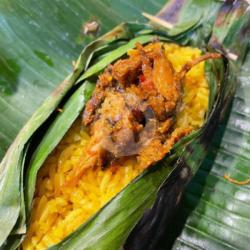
<point>59,210</point>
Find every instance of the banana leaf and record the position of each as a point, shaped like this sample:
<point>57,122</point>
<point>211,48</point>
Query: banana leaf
<point>206,237</point>
<point>39,125</point>
<point>215,212</point>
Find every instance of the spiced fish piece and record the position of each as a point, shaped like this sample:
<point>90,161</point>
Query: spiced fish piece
<point>132,112</point>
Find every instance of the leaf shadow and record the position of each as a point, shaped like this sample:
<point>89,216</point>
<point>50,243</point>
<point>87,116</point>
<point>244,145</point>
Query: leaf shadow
<point>181,216</point>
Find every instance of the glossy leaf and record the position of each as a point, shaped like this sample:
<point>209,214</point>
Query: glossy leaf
<point>31,67</point>
<point>216,212</point>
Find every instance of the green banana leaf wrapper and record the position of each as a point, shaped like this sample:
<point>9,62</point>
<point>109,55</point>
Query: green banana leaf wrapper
<point>137,217</point>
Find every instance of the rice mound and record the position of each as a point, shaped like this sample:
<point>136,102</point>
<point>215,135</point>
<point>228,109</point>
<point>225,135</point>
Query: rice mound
<point>59,210</point>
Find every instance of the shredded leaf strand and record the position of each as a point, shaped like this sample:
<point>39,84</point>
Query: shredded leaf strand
<point>234,181</point>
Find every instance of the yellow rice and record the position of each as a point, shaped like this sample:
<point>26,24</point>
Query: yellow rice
<point>59,210</point>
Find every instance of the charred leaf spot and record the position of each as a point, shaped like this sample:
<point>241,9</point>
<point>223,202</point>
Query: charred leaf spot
<point>172,10</point>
